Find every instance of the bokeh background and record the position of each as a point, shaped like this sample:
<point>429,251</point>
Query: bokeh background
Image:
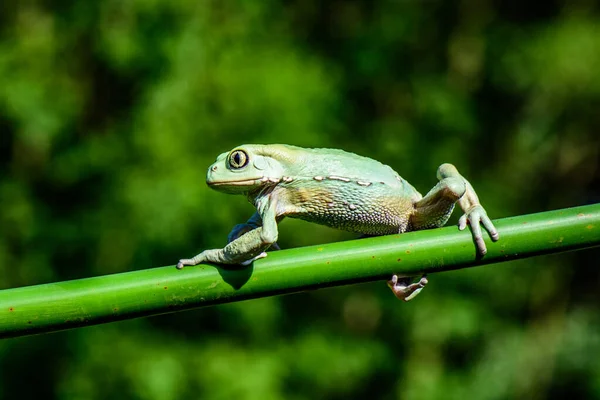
<point>111,111</point>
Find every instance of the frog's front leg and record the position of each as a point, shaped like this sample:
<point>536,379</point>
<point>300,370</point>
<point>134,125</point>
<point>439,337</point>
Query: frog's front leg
<point>247,247</point>
<point>241,229</point>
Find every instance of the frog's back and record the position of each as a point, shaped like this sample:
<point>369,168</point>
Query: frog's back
<point>311,162</point>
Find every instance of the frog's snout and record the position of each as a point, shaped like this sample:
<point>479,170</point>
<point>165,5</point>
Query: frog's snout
<point>209,174</point>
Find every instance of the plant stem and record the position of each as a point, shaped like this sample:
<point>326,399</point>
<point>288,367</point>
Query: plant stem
<point>63,305</point>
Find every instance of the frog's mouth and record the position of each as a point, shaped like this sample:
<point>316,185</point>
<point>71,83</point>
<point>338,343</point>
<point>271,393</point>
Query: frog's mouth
<point>245,182</point>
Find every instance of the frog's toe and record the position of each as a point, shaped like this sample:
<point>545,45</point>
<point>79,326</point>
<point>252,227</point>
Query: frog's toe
<point>185,261</point>
<point>462,222</point>
<point>481,247</point>
<point>489,226</point>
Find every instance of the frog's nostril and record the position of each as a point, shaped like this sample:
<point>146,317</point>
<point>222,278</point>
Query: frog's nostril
<point>214,168</point>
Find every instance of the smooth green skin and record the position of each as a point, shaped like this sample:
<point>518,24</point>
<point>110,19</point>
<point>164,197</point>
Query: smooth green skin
<point>64,305</point>
<point>338,189</point>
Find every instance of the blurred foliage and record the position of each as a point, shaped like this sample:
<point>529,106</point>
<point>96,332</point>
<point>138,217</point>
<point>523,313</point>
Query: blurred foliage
<point>111,111</point>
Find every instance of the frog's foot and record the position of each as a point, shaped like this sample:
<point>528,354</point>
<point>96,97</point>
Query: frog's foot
<point>215,255</point>
<point>191,261</point>
<point>476,216</point>
<point>250,261</point>
<point>218,256</point>
<point>404,289</point>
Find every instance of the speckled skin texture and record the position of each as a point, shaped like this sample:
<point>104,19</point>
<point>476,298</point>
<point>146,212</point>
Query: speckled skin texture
<point>368,210</point>
<point>355,193</point>
<point>334,188</point>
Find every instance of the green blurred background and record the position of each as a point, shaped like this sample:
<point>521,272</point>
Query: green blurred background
<point>111,111</point>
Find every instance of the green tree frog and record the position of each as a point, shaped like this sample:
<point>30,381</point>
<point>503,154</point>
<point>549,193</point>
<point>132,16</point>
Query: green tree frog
<point>335,188</point>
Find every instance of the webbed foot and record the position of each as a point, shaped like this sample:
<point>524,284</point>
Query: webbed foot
<point>404,289</point>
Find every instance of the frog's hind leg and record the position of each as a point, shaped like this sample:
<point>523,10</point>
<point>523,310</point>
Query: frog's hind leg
<point>433,210</point>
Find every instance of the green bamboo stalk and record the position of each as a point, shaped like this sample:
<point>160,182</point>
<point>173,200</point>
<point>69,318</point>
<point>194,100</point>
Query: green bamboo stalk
<point>64,305</point>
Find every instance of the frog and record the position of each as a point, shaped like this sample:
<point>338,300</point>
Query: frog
<point>338,189</point>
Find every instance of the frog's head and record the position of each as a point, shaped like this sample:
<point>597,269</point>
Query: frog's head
<point>247,168</point>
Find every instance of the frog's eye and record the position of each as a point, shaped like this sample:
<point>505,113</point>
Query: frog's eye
<point>238,159</point>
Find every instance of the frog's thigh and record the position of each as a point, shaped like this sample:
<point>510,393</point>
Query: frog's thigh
<point>447,170</point>
<point>435,208</point>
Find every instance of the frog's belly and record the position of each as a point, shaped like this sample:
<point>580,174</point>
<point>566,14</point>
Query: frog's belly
<point>371,215</point>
